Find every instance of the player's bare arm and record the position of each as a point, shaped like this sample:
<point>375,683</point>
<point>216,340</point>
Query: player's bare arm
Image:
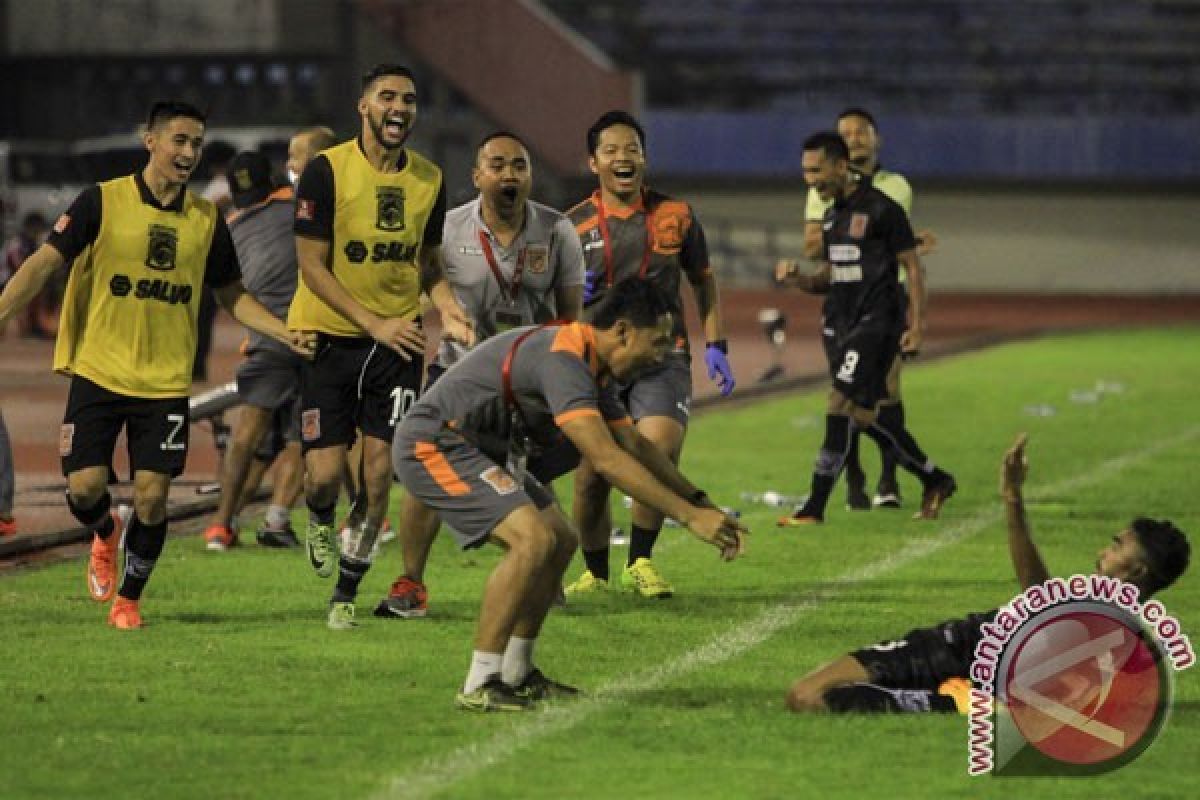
<point>28,280</point>
<point>1026,558</point>
<point>927,242</point>
<point>788,274</point>
<point>254,315</point>
<point>456,324</point>
<point>910,342</point>
<point>814,240</point>
<point>595,443</point>
<point>708,304</point>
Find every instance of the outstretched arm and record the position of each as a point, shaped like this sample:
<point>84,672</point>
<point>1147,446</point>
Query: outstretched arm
<point>234,298</point>
<point>787,273</point>
<point>29,280</point>
<point>1026,559</point>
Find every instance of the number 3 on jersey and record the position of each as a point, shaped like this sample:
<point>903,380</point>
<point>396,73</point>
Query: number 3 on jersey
<point>402,401</point>
<point>845,373</point>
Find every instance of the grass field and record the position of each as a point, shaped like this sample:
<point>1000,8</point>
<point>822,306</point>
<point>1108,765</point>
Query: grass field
<point>237,690</point>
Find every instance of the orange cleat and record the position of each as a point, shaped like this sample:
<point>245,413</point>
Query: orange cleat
<point>799,520</point>
<point>8,527</point>
<point>124,614</point>
<point>220,537</point>
<point>102,565</point>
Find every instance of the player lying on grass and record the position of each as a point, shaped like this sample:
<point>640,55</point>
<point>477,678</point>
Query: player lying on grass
<point>464,447</point>
<point>926,670</point>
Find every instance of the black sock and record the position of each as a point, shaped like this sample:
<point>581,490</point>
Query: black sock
<point>323,516</point>
<point>143,545</point>
<point>350,574</point>
<point>892,417</point>
<point>597,562</point>
<point>830,459</point>
<point>854,470</point>
<point>96,519</point>
<point>641,542</point>
<point>889,433</point>
<point>869,698</point>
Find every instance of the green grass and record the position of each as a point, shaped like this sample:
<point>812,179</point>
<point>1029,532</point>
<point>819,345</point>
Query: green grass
<point>237,690</point>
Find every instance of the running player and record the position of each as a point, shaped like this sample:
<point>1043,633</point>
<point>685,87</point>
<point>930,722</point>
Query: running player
<point>867,238</point>
<point>462,450</point>
<point>368,224</point>
<point>512,262</point>
<point>927,669</point>
<point>858,128</point>
<point>140,247</point>
<point>630,230</point>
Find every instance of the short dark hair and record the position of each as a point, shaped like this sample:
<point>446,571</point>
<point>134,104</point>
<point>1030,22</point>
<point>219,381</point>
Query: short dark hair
<point>1166,552</point>
<point>163,111</point>
<point>639,302</point>
<point>607,120</point>
<point>856,111</point>
<point>829,143</point>
<point>384,70</point>
<point>34,219</point>
<point>498,135</point>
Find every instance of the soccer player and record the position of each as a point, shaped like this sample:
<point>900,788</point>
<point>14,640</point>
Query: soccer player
<point>630,230</point>
<point>462,450</point>
<point>927,669</point>
<point>140,248</point>
<point>867,237</point>
<point>368,224</point>
<point>512,262</point>
<point>858,128</point>
<point>8,476</point>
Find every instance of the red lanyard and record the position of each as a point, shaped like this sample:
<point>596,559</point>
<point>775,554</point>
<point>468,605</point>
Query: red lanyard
<point>607,239</point>
<point>508,293</point>
<point>510,399</point>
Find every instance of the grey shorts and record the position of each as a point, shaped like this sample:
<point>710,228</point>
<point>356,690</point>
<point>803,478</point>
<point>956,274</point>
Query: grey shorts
<point>470,491</point>
<point>665,391</point>
<point>270,380</point>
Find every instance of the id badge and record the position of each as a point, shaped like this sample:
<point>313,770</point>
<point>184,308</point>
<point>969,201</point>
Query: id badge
<point>507,320</point>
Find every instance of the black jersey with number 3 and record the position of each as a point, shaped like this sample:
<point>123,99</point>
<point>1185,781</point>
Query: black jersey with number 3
<point>863,234</point>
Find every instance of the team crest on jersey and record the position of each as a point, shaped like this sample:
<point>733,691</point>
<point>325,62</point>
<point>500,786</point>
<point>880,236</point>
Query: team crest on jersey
<point>389,208</point>
<point>161,245</point>
<point>499,480</point>
<point>858,225</point>
<point>538,258</point>
<point>310,424</point>
<point>66,439</point>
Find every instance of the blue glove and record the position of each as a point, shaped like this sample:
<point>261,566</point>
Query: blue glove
<point>718,366</point>
<point>591,286</point>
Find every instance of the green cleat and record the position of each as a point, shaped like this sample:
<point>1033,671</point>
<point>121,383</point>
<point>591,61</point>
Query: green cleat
<point>585,584</point>
<point>642,577</point>
<point>495,695</point>
<point>322,549</point>
<point>341,617</point>
<point>537,686</point>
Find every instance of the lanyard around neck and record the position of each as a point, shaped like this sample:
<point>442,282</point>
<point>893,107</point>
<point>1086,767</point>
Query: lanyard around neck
<point>509,293</point>
<point>602,221</point>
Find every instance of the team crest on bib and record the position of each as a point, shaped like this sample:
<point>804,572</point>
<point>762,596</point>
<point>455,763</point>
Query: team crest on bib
<point>499,480</point>
<point>538,258</point>
<point>161,245</point>
<point>858,225</point>
<point>389,208</point>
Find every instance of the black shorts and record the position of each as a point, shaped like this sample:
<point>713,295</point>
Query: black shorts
<point>156,430</point>
<point>860,356</point>
<point>355,383</point>
<point>925,656</point>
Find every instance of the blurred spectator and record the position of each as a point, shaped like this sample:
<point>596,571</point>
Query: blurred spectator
<point>19,247</point>
<point>8,527</point>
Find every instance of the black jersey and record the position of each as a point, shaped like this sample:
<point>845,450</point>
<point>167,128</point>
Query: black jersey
<point>863,234</point>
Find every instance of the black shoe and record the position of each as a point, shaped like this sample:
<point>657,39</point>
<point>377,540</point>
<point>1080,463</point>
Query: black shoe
<point>284,538</point>
<point>856,497</point>
<point>495,695</point>
<point>537,686</point>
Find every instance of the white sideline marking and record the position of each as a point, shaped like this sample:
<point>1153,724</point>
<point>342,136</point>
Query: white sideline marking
<point>437,775</point>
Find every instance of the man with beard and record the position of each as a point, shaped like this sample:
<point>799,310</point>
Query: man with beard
<point>629,230</point>
<point>368,224</point>
<point>867,240</point>
<point>140,248</point>
<point>512,262</point>
<point>857,127</point>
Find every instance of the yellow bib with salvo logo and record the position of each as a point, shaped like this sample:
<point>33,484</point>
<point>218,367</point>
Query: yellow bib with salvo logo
<point>129,314</point>
<point>378,225</point>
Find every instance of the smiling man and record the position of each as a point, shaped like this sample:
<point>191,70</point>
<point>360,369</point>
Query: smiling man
<point>463,449</point>
<point>368,224</point>
<point>140,249</point>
